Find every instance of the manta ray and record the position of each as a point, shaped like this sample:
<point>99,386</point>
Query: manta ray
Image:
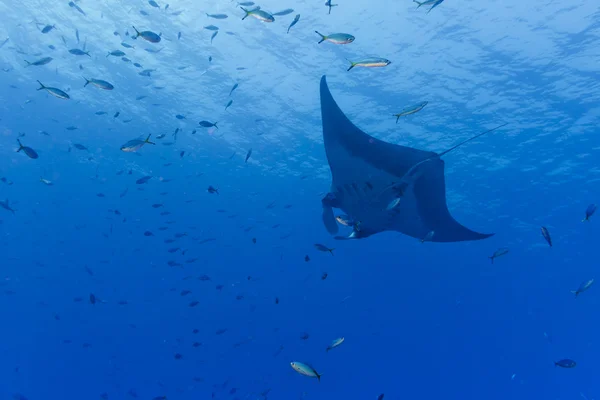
<point>383,186</point>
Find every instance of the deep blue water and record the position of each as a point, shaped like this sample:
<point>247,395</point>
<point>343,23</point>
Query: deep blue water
<point>420,320</point>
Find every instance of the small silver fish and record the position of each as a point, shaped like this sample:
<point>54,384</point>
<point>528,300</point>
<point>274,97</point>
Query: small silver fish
<point>306,370</point>
<point>335,343</point>
<point>370,63</point>
<point>583,287</point>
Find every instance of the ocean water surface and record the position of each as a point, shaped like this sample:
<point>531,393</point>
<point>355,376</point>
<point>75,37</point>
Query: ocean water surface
<point>187,268</point>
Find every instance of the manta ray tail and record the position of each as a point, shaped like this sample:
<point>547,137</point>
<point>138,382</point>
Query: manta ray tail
<point>473,138</point>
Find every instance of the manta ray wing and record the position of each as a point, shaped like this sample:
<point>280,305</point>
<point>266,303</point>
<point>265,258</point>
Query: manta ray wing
<point>365,172</point>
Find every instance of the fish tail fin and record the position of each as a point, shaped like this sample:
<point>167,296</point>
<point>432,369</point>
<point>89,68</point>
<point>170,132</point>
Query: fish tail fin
<point>41,85</point>
<point>323,37</point>
<point>20,148</point>
<point>148,140</point>
<point>108,54</point>
<point>87,53</point>
<point>575,292</point>
<point>137,33</point>
<point>585,219</point>
<point>246,11</point>
<point>331,251</point>
<point>352,64</point>
<point>215,124</point>
<point>397,117</point>
<point>87,81</point>
<point>419,3</point>
<point>472,138</point>
<point>28,63</point>
<point>318,376</point>
<point>492,259</point>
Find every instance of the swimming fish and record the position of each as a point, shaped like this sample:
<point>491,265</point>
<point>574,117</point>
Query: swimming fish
<point>306,370</point>
<point>284,12</point>
<point>41,61</point>
<point>258,14</point>
<point>565,363</point>
<point>48,28</point>
<point>6,206</point>
<point>591,209</point>
<point>147,35</point>
<point>217,16</point>
<point>53,91</point>
<point>211,28</point>
<point>208,124</point>
<point>335,343</point>
<point>135,144</point>
<point>546,235</point>
<point>500,252</point>
<point>229,103</point>
<point>29,152</point>
<point>79,52</point>
<point>294,22</point>
<point>214,35</point>
<point>370,63</point>
<point>410,110</point>
<point>328,4</point>
<point>583,287</point>
<point>143,180</point>
<point>75,6</point>
<point>428,237</point>
<point>46,181</point>
<point>323,248</point>
<point>116,53</point>
<point>235,86</point>
<point>248,155</point>
<point>336,38</point>
<point>99,83</point>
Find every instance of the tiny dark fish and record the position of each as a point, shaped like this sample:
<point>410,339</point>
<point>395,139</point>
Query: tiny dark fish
<point>78,52</point>
<point>324,276</point>
<point>193,304</point>
<point>116,53</point>
<point>211,28</point>
<point>306,258</point>
<point>500,252</point>
<point>79,146</point>
<point>143,180</point>
<point>214,35</point>
<point>217,16</point>
<point>148,233</point>
<point>323,248</point>
<point>229,103</point>
<point>41,61</point>
<point>546,235</point>
<point>211,189</point>
<point>380,397</point>
<point>248,155</point>
<point>92,298</point>
<point>48,28</point>
<point>284,12</point>
<point>147,35</point>
<point>208,124</point>
<point>566,363</point>
<point>294,22</point>
<point>29,152</point>
<point>591,209</point>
